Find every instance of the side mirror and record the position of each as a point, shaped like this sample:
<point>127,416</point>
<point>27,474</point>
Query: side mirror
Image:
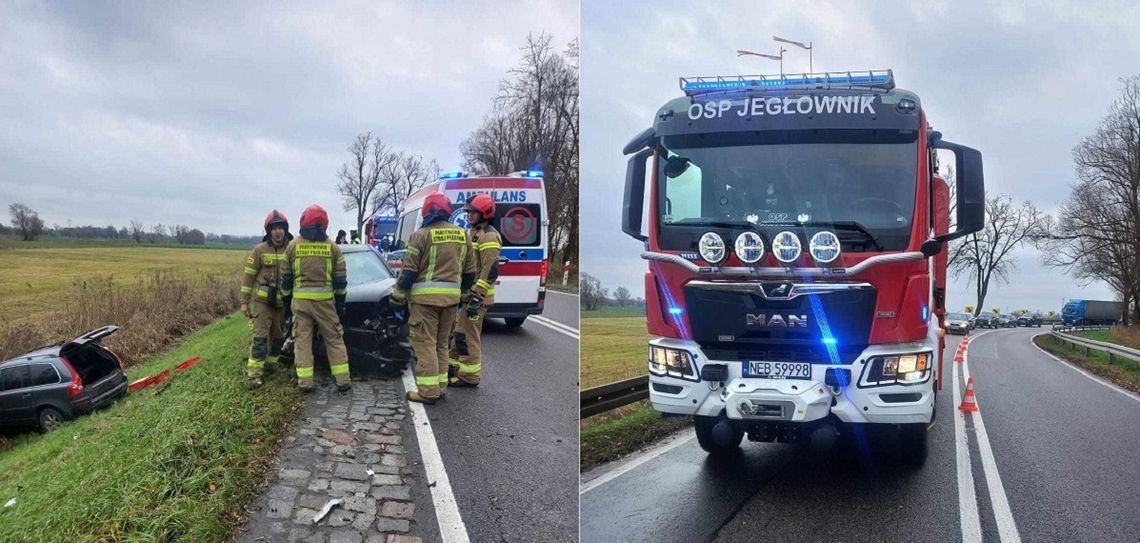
<point>634,200</point>
<point>970,188</point>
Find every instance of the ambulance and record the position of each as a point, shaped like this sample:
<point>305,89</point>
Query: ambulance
<point>520,218</point>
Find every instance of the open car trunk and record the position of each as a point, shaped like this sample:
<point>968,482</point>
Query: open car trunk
<point>91,361</point>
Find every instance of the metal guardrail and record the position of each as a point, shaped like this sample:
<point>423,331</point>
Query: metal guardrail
<point>1113,350</point>
<point>614,395</point>
<point>1071,329</point>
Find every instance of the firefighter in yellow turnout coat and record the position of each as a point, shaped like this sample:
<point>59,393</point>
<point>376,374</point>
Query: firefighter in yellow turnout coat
<point>438,266</point>
<point>316,283</point>
<point>466,361</point>
<point>262,298</point>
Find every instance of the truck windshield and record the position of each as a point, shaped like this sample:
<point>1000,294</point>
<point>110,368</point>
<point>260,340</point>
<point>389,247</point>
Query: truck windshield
<point>789,177</point>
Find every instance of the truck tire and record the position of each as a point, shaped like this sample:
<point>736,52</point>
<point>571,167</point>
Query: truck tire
<point>719,442</point>
<point>515,322</point>
<point>912,443</point>
<point>50,418</point>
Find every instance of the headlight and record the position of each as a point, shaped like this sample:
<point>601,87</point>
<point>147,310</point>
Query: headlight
<point>824,247</point>
<point>786,246</point>
<point>712,247</point>
<point>749,247</point>
<point>907,369</point>
<point>671,362</point>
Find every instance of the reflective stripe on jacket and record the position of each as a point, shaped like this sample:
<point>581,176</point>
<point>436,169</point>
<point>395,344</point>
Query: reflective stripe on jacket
<point>264,269</point>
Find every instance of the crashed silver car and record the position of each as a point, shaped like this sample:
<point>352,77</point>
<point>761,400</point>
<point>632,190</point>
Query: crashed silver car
<point>375,334</point>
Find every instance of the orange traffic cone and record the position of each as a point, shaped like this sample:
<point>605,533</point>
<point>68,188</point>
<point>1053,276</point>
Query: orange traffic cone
<point>969,403</point>
<point>958,356</point>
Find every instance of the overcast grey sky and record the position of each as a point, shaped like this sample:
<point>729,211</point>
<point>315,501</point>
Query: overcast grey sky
<point>1023,85</point>
<point>212,113</point>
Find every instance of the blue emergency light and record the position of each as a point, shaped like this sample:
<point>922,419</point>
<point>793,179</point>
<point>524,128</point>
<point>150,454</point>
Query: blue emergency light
<point>532,173</point>
<point>877,79</point>
<point>453,175</point>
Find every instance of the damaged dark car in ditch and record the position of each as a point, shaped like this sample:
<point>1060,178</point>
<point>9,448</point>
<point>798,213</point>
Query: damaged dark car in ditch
<point>375,333</point>
<point>56,383</point>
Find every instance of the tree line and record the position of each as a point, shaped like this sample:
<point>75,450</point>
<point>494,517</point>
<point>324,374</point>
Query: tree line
<point>28,226</point>
<point>593,295</point>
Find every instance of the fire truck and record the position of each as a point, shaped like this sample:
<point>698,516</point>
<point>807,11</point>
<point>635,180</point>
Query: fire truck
<point>795,235</point>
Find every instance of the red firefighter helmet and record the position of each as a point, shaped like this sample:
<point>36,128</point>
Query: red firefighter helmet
<point>482,203</point>
<point>276,217</point>
<point>314,215</point>
<point>436,201</point>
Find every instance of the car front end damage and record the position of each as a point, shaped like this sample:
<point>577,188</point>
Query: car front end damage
<point>375,334</point>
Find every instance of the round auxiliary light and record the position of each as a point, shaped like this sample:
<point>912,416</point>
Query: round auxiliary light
<point>749,247</point>
<point>824,247</point>
<point>786,246</point>
<point>712,247</point>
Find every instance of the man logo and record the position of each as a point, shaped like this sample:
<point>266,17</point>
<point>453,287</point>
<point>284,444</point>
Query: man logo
<point>781,290</point>
<point>776,320</point>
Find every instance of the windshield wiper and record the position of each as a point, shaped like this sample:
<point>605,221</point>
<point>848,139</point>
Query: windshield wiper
<point>850,226</point>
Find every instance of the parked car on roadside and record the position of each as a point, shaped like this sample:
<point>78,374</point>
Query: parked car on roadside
<point>57,383</point>
<point>957,323</point>
<point>1028,320</point>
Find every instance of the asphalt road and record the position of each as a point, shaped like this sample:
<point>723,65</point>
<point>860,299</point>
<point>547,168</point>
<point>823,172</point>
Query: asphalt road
<point>510,447</point>
<point>1058,455</point>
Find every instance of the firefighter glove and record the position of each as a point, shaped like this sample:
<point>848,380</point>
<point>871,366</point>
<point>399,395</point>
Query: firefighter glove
<point>474,304</point>
<point>398,298</point>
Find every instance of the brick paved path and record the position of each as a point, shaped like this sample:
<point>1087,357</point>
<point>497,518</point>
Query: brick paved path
<point>328,454</point>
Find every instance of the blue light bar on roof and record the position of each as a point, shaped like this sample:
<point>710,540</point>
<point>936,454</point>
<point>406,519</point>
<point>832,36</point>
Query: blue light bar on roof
<point>532,173</point>
<point>877,79</point>
<point>453,175</point>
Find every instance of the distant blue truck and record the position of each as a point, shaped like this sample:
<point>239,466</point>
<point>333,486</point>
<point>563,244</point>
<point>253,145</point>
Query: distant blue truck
<point>1091,312</point>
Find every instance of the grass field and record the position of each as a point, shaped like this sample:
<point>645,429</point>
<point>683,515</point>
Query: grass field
<point>613,345</point>
<point>614,348</point>
<point>42,278</point>
<point>1128,336</point>
<point>1122,371</point>
<point>176,462</point>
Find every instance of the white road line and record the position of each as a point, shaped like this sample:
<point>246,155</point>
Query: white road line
<point>554,325</point>
<point>451,526</point>
<point>1003,516</point>
<point>1126,393</point>
<point>650,454</point>
<point>967,497</point>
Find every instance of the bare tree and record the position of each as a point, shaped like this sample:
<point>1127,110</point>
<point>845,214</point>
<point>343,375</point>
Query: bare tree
<point>534,125</point>
<point>26,221</point>
<point>591,292</point>
<point>137,230</point>
<point>404,175</point>
<point>622,296</point>
<point>1097,234</point>
<point>158,233</point>
<point>985,255</point>
<point>360,175</point>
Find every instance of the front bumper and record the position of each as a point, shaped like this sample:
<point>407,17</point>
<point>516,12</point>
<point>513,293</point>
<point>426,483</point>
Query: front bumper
<point>797,400</point>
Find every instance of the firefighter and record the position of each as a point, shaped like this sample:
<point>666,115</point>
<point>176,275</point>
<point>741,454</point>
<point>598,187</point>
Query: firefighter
<point>315,285</point>
<point>438,266</point>
<point>466,362</point>
<point>262,298</point>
